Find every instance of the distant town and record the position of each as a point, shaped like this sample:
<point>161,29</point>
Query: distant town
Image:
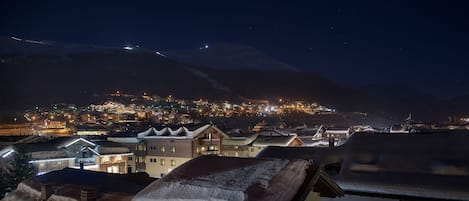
<point>149,134</point>
<point>125,112</point>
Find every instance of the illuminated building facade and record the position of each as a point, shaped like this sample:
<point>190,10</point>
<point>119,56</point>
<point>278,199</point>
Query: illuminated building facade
<point>71,152</point>
<point>167,148</point>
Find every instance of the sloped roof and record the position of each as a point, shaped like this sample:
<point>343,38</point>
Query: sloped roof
<point>50,145</point>
<point>180,133</point>
<point>57,148</point>
<point>230,178</point>
<point>424,165</point>
<point>264,141</point>
<point>68,183</point>
<point>240,140</point>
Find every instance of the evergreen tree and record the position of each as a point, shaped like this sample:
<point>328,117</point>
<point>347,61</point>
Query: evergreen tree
<point>20,169</point>
<point>2,183</point>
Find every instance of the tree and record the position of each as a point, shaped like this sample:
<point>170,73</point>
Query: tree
<point>2,183</point>
<point>19,170</point>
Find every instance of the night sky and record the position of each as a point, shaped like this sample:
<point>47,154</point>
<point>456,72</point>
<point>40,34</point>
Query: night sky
<point>421,44</point>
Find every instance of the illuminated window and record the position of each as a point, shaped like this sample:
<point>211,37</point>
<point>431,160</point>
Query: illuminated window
<point>113,169</point>
<point>236,147</point>
<point>163,149</point>
<point>202,149</point>
<point>173,163</point>
<point>162,162</point>
<point>118,158</point>
<point>105,159</point>
<point>236,154</point>
<point>141,148</point>
<point>173,149</point>
<point>197,150</point>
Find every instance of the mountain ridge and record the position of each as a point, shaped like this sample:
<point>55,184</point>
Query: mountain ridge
<point>32,76</point>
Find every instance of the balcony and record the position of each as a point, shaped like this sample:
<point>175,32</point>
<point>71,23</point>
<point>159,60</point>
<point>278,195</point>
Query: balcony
<point>209,141</point>
<point>85,161</point>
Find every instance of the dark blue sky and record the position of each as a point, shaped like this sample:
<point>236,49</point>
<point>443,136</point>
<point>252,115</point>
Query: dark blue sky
<point>421,44</point>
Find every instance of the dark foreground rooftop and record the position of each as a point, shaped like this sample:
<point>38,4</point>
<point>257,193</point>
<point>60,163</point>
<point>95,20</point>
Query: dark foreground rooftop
<point>227,178</point>
<point>73,183</point>
<point>422,166</point>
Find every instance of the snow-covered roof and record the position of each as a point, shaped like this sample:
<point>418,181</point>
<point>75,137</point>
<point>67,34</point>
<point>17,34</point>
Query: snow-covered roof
<point>66,184</point>
<point>240,140</point>
<point>180,133</point>
<point>336,130</point>
<point>424,165</point>
<point>229,179</point>
<point>274,132</point>
<point>264,141</point>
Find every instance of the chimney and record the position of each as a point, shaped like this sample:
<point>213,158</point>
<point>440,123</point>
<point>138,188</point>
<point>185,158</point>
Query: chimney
<point>88,194</point>
<point>46,191</point>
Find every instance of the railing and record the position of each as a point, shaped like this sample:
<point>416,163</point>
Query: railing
<point>208,141</point>
<point>85,161</point>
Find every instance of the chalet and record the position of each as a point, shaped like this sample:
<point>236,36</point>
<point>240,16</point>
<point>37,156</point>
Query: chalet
<point>238,144</point>
<point>264,126</point>
<point>337,132</point>
<point>166,148</point>
<point>136,146</point>
<point>72,152</point>
<point>311,136</point>
<point>428,166</point>
<point>242,179</point>
<point>73,184</point>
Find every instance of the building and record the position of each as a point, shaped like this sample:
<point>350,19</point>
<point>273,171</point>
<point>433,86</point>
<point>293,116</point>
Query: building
<point>239,144</point>
<point>166,148</point>
<point>311,136</point>
<point>19,129</point>
<point>249,144</point>
<point>74,184</point>
<point>337,132</point>
<point>136,146</point>
<point>72,152</point>
<point>91,130</point>
<point>427,166</point>
<point>264,126</point>
<point>242,179</point>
